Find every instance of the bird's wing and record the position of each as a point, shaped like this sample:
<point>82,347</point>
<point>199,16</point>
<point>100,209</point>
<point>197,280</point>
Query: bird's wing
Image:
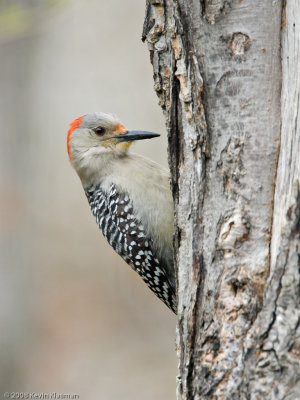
<point>115,217</point>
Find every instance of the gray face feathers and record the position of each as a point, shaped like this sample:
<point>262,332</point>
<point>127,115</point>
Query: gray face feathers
<point>102,131</point>
<point>93,120</point>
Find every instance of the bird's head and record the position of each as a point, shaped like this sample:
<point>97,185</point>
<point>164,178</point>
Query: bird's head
<point>98,133</point>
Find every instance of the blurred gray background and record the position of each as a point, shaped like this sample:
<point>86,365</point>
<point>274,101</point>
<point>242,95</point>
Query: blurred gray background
<point>74,317</point>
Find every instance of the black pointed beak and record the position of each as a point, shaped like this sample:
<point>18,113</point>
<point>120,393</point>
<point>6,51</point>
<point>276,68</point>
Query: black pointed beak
<point>128,136</point>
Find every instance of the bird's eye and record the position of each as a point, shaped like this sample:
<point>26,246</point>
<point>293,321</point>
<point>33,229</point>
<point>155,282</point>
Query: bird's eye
<point>99,130</point>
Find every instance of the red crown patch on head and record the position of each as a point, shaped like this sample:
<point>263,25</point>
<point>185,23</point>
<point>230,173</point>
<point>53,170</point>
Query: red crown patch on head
<point>73,125</point>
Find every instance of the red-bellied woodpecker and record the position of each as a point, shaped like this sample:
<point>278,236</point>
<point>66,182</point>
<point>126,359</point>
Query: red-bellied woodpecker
<point>129,196</point>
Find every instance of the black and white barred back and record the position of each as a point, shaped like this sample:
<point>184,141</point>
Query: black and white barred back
<point>115,217</point>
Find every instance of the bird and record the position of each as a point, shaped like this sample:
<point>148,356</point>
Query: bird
<point>129,196</point>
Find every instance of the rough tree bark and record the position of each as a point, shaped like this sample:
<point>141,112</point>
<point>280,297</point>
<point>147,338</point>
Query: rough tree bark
<point>227,74</point>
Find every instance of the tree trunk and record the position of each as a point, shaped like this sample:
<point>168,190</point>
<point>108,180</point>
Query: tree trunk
<point>227,74</point>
